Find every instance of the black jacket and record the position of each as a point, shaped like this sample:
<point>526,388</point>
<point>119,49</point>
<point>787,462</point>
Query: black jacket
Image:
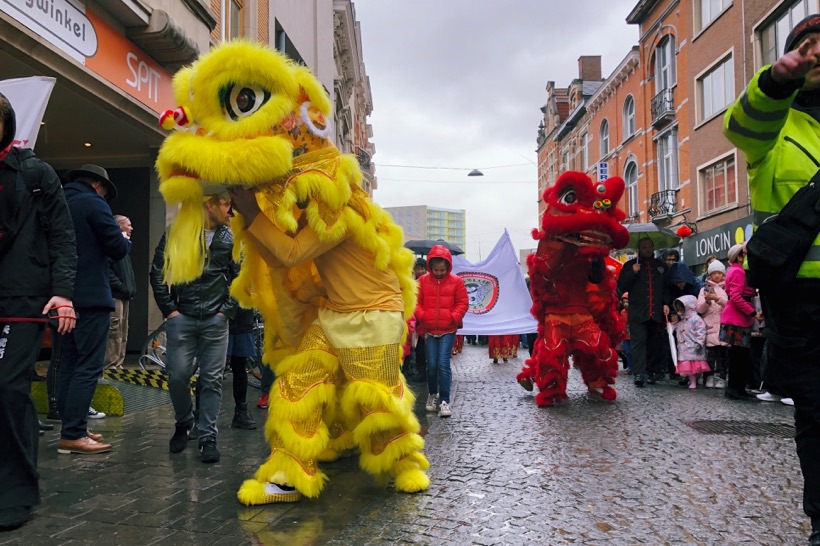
<point>207,295</point>
<point>648,290</point>
<point>121,277</point>
<point>39,261</point>
<point>98,238</point>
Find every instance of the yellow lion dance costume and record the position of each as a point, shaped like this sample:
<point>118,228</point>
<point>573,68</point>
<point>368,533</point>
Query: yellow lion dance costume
<point>323,264</point>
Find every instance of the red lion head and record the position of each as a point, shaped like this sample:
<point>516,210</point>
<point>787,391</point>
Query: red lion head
<point>584,214</point>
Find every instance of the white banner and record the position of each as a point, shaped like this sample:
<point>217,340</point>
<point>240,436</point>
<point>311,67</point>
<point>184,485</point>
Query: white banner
<point>29,98</point>
<point>499,300</point>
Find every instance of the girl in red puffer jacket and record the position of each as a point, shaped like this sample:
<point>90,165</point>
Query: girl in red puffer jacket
<point>442,304</point>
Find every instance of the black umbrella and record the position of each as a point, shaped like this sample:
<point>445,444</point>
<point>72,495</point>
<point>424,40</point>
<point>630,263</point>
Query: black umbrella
<point>662,237</point>
<point>423,246</point>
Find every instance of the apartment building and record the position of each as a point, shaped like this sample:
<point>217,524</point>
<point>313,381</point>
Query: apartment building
<point>664,30</point>
<point>693,59</point>
<point>423,222</point>
<point>563,141</point>
<point>113,61</point>
<point>614,134</point>
<point>732,41</point>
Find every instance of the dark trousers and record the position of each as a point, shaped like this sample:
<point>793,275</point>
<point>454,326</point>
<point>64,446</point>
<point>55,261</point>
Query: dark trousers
<point>19,346</point>
<point>531,342</point>
<point>239,371</point>
<point>756,354</point>
<point>740,366</point>
<point>792,317</point>
<point>267,379</point>
<point>82,359</point>
<point>647,340</point>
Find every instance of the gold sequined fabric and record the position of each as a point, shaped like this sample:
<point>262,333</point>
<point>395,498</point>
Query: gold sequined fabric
<point>369,364</point>
<point>380,439</point>
<point>294,385</point>
<point>309,427</point>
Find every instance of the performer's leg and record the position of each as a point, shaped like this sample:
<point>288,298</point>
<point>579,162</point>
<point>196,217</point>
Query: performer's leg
<point>376,401</point>
<point>596,359</point>
<point>305,386</point>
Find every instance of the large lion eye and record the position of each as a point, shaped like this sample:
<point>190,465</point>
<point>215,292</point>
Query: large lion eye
<point>240,101</point>
<point>568,196</point>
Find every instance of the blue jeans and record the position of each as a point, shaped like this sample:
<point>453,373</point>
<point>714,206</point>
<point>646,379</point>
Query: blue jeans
<point>626,347</point>
<point>207,339</point>
<point>439,375</point>
<point>82,359</point>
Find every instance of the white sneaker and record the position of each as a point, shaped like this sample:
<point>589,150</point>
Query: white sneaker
<point>432,402</point>
<point>444,410</point>
<point>710,382</point>
<point>769,397</point>
<point>787,401</point>
<point>94,414</point>
<point>720,383</point>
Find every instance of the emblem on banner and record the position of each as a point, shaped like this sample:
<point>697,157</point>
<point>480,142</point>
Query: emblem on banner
<point>482,291</point>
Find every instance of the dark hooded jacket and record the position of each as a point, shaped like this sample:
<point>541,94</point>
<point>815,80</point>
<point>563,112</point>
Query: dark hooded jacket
<point>442,303</point>
<point>680,272</point>
<point>38,253</point>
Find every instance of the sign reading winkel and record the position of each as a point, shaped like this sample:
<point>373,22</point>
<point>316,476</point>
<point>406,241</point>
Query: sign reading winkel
<point>58,21</point>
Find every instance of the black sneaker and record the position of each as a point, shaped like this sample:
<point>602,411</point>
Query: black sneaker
<point>207,450</point>
<point>242,418</point>
<point>180,438</point>
<point>651,380</point>
<point>640,380</point>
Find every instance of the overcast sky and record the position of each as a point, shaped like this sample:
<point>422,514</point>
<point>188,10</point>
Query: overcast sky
<point>459,83</point>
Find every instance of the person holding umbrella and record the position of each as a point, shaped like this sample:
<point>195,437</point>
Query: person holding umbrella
<point>647,280</point>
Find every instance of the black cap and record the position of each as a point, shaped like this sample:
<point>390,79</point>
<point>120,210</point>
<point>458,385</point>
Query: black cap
<point>94,172</point>
<point>9,123</point>
<point>807,25</point>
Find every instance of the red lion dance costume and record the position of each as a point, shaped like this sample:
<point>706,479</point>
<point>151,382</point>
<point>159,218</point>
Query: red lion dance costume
<point>573,291</point>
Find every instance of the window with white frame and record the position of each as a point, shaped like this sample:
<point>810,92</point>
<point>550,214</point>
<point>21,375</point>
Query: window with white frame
<point>718,185</point>
<point>665,74</point>
<point>564,159</point>
<point>667,153</point>
<point>631,181</point>
<point>604,138</point>
<point>585,151</point>
<point>232,15</point>
<point>708,11</point>
<point>716,88</point>
<point>773,36</point>
<point>629,116</point>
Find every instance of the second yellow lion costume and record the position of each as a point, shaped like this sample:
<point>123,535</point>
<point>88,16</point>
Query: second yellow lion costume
<point>323,264</point>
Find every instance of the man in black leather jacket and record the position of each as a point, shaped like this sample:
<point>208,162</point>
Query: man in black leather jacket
<point>38,263</point>
<point>197,316</point>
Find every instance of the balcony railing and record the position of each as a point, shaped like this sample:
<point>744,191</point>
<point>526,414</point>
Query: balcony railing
<point>663,203</point>
<point>663,108</point>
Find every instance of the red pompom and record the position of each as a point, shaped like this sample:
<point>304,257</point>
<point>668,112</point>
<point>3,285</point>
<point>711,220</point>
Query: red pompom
<point>684,231</point>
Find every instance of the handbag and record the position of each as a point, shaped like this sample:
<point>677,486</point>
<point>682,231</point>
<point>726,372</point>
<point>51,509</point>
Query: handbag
<point>780,244</point>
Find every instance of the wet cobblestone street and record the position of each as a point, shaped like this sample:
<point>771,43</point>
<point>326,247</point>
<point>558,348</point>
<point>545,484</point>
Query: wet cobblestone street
<point>502,472</point>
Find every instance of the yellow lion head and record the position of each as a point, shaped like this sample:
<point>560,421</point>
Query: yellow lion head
<point>244,112</point>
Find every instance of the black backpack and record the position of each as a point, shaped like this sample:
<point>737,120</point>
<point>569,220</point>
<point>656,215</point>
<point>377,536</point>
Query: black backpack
<point>780,244</point>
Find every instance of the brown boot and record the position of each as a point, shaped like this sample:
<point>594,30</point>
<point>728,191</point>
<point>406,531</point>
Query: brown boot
<point>94,436</point>
<point>82,446</point>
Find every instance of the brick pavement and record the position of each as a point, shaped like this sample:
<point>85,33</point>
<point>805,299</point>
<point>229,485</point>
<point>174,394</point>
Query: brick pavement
<point>503,472</point>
